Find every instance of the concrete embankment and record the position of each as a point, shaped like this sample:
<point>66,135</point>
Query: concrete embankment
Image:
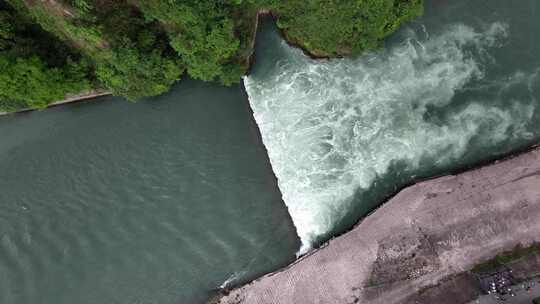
<point>69,99</point>
<point>426,235</point>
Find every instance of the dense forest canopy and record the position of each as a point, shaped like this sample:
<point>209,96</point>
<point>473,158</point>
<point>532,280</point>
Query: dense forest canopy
<point>137,48</point>
<point>35,67</point>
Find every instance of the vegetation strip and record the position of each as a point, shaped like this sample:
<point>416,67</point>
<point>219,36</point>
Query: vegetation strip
<point>137,48</point>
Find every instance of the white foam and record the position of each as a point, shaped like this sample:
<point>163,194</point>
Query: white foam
<point>331,127</point>
<point>231,279</point>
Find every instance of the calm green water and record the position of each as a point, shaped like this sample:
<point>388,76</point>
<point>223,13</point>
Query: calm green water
<point>155,202</point>
<point>457,87</point>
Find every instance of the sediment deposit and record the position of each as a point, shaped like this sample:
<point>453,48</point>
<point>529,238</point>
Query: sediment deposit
<point>425,235</point>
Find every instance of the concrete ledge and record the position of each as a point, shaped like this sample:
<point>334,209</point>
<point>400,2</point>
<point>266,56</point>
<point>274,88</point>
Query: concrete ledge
<point>426,234</point>
<point>70,98</point>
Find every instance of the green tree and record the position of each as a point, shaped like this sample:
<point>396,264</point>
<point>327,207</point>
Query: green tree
<point>35,68</point>
<point>137,48</point>
<point>6,26</point>
<point>202,33</point>
<point>333,28</point>
<point>30,82</point>
<point>132,74</point>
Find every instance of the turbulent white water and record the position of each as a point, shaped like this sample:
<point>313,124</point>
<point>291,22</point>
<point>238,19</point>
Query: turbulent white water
<point>331,127</point>
<point>231,279</point>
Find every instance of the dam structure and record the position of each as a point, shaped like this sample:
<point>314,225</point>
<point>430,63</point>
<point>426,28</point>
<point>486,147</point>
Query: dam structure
<point>438,97</point>
<point>426,234</point>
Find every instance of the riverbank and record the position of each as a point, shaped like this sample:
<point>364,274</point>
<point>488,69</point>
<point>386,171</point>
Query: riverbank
<point>71,98</point>
<point>249,61</point>
<point>426,234</point>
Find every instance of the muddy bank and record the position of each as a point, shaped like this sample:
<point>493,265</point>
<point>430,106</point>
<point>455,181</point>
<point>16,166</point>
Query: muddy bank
<point>424,236</point>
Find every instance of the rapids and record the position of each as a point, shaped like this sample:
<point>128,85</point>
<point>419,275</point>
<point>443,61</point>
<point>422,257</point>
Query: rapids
<point>333,127</point>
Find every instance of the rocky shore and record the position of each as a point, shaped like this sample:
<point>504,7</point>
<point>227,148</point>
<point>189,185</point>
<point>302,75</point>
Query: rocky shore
<point>430,234</point>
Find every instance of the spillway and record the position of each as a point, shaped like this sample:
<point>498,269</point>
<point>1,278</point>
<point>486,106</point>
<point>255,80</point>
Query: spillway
<point>332,128</point>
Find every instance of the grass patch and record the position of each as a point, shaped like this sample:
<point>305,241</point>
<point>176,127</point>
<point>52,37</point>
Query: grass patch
<point>507,257</point>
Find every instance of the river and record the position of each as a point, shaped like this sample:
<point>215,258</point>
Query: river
<point>160,201</point>
<point>454,88</point>
<point>165,200</point>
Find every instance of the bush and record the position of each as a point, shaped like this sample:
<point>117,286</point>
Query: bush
<point>31,77</point>
<point>332,28</point>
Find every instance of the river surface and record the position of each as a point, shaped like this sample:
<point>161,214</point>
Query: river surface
<point>155,202</point>
<point>167,199</point>
<point>459,86</point>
